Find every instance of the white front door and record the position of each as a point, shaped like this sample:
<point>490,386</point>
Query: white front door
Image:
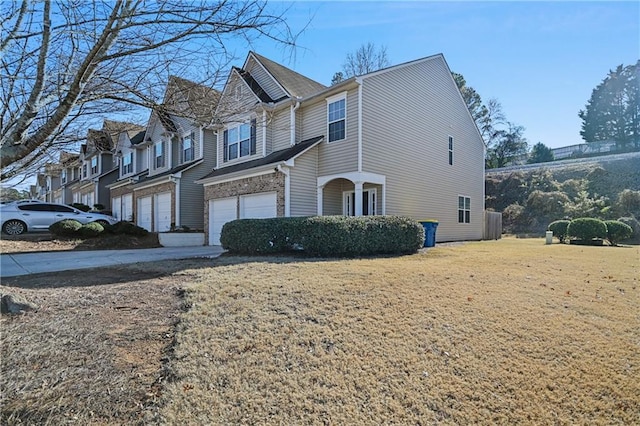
<point>163,212</point>
<point>221,211</point>
<point>258,206</point>
<point>369,197</point>
<point>144,213</point>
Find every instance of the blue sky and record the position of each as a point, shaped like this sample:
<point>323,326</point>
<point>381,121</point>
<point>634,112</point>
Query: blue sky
<point>541,60</point>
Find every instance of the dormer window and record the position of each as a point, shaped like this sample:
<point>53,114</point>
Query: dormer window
<point>94,165</point>
<point>159,154</point>
<point>240,141</point>
<point>127,163</point>
<point>187,148</point>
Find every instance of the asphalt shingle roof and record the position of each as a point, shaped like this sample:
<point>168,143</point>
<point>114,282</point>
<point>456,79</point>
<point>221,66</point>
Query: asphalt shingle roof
<point>296,84</point>
<point>273,158</point>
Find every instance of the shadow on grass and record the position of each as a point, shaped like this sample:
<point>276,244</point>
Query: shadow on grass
<point>164,269</point>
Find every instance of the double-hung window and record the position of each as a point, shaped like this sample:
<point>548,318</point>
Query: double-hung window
<point>337,118</point>
<point>94,165</point>
<point>239,141</point>
<point>158,151</point>
<point>464,209</point>
<point>127,163</point>
<point>63,176</point>
<point>84,170</point>
<point>187,148</point>
<point>450,150</point>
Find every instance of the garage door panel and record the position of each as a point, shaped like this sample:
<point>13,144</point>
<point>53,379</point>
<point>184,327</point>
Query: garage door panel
<point>258,206</point>
<point>116,205</point>
<point>144,213</point>
<point>221,211</point>
<point>127,207</point>
<point>163,212</point>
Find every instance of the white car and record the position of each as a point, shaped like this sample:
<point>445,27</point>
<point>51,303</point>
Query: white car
<point>18,218</point>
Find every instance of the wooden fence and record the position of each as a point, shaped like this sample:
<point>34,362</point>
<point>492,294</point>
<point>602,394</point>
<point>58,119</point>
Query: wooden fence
<point>492,226</point>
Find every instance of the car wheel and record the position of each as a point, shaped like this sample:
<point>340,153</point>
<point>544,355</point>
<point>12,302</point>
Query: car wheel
<point>14,227</point>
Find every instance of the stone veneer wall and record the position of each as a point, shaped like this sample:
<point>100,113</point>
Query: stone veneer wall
<point>156,189</point>
<point>253,185</point>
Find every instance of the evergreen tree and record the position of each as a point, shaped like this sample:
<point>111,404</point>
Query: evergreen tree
<point>540,153</point>
<point>613,111</point>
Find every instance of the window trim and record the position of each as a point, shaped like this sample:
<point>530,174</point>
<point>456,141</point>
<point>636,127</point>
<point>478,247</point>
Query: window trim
<point>465,210</point>
<point>331,100</point>
<point>192,149</point>
<point>226,144</point>
<point>450,150</point>
<point>160,157</point>
<point>127,168</point>
<point>348,196</point>
<point>93,172</point>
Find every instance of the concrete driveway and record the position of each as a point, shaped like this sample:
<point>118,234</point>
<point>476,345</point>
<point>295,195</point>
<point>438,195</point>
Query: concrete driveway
<point>15,264</point>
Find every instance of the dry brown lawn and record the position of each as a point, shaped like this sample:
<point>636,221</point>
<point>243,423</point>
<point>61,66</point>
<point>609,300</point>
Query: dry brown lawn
<point>44,241</point>
<point>499,332</point>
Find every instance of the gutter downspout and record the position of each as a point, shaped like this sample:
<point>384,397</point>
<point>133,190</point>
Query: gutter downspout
<point>284,169</point>
<point>293,121</point>
<point>360,82</point>
<point>264,132</point>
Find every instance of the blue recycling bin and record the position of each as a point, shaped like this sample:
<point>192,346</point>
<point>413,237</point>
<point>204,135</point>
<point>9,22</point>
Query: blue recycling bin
<point>430,226</point>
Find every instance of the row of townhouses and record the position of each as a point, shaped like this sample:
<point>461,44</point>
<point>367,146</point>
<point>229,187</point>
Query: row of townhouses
<point>274,143</point>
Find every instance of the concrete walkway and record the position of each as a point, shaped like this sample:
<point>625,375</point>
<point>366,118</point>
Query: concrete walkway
<point>15,264</point>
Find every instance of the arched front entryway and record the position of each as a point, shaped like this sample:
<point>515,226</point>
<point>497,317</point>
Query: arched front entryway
<point>352,194</point>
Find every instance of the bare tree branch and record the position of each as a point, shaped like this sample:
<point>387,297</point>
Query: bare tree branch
<point>61,66</point>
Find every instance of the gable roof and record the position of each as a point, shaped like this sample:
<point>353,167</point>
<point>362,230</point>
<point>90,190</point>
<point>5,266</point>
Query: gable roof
<point>273,158</point>
<point>188,99</point>
<point>254,85</point>
<point>296,84</point>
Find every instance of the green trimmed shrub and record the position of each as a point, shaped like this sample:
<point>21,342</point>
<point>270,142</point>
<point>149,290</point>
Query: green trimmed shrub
<point>327,236</point>
<point>82,207</point>
<point>633,223</point>
<point>617,231</point>
<point>587,228</point>
<point>127,228</point>
<point>65,228</point>
<point>91,230</point>
<point>559,229</point>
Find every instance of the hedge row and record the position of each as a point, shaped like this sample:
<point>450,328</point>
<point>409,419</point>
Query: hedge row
<point>587,228</point>
<point>74,229</point>
<point>326,236</point>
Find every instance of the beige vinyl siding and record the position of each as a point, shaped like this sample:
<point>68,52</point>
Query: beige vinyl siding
<point>192,198</point>
<point>332,196</point>
<point>408,115</point>
<point>265,80</point>
<point>339,156</point>
<point>303,193</point>
<point>280,130</point>
<point>141,159</point>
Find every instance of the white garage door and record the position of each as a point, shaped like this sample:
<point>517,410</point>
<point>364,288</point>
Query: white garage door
<point>258,206</point>
<point>163,212</point>
<point>116,207</point>
<point>144,213</point>
<point>127,207</point>
<point>221,211</point>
